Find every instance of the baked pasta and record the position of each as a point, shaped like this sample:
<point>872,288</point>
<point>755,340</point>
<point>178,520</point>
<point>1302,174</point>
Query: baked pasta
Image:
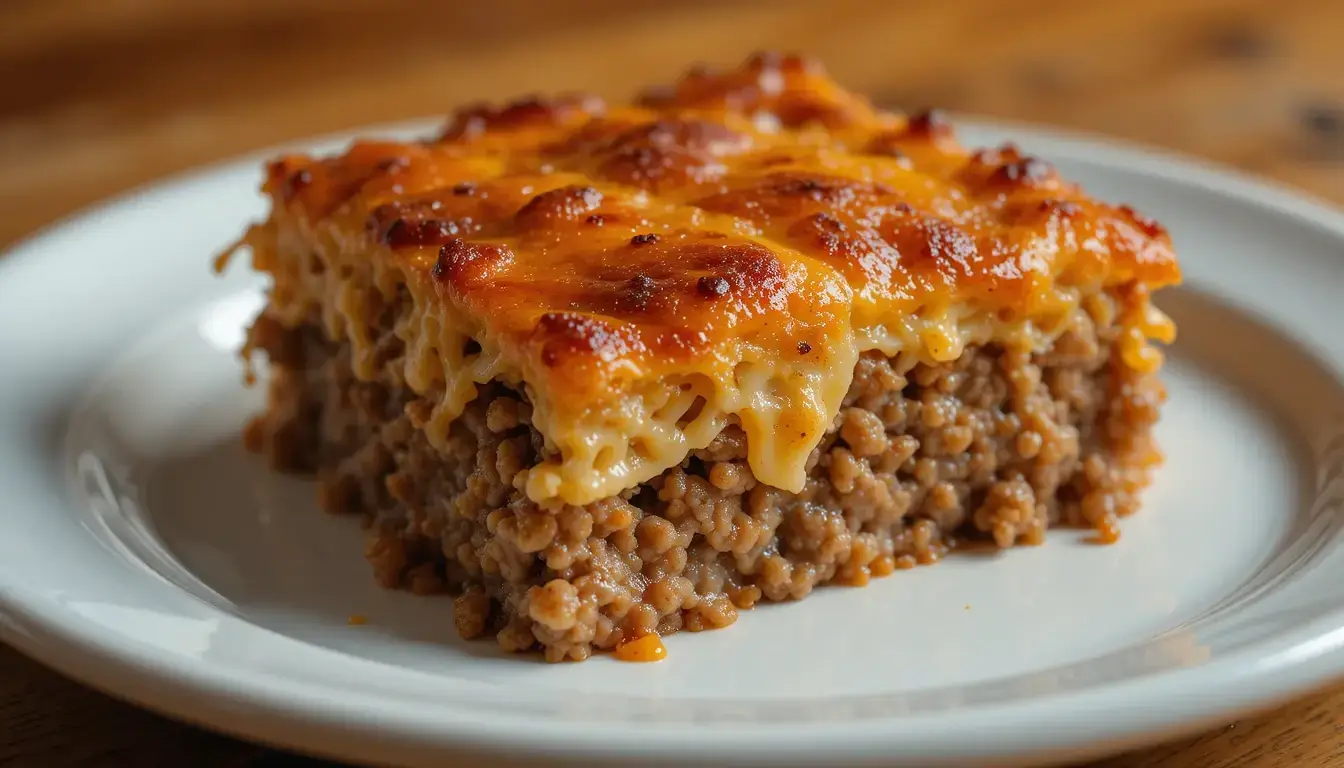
<point>602,371</point>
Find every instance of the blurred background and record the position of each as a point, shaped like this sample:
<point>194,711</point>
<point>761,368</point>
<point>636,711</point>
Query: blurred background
<point>102,94</point>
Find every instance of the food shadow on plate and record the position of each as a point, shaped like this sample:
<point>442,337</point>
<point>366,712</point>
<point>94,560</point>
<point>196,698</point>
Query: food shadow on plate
<point>259,542</point>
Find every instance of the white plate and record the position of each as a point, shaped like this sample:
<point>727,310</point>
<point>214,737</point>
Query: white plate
<point>145,554</point>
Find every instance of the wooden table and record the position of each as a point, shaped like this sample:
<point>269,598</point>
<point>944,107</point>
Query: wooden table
<point>100,95</point>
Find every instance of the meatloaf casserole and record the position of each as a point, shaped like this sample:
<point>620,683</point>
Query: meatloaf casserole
<point>603,372</point>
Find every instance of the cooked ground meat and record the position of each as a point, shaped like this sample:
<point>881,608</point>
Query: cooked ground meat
<point>994,448</point>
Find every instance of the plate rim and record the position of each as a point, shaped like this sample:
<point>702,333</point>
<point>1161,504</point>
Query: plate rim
<point>1233,684</point>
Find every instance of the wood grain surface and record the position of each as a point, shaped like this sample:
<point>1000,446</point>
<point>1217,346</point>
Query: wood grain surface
<point>100,95</point>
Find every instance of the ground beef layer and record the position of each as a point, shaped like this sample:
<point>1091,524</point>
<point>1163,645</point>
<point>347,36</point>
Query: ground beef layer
<point>992,448</point>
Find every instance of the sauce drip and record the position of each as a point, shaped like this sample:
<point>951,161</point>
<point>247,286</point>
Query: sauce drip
<point>647,648</point>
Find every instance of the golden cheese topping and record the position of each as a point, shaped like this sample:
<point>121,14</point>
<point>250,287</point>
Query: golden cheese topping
<point>718,252</point>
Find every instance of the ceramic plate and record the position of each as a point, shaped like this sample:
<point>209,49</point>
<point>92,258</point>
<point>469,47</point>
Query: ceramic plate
<point>144,553</point>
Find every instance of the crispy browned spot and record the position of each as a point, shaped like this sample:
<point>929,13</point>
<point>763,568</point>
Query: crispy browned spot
<point>790,194</point>
<point>462,265</point>
<point>784,85</point>
<point>564,334</point>
<point>856,249</point>
<point>563,204</point>
<point>416,224</point>
<point>530,112</point>
<point>932,124</point>
<point>670,152</point>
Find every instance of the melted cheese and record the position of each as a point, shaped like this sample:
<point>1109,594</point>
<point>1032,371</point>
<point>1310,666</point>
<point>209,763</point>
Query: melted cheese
<point>650,274</point>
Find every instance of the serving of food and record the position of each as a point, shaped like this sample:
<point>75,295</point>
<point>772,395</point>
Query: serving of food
<point>604,372</point>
